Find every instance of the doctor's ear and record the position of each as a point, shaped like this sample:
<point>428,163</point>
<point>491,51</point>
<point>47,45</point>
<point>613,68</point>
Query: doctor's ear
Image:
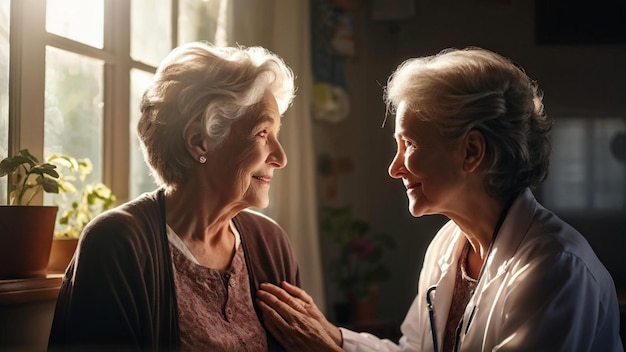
<point>475,149</point>
<point>196,140</point>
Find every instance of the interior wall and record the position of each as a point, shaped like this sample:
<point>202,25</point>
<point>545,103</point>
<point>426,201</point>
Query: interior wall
<point>577,81</point>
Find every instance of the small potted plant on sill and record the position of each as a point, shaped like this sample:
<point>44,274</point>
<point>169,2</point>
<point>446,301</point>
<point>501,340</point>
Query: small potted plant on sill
<point>26,230</point>
<point>94,199</point>
<point>358,268</point>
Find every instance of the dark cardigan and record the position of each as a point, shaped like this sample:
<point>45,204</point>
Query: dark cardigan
<point>118,292</point>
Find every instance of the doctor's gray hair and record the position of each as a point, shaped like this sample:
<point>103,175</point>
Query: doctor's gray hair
<point>213,85</point>
<point>476,89</point>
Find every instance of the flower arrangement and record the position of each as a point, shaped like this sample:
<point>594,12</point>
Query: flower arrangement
<point>359,263</point>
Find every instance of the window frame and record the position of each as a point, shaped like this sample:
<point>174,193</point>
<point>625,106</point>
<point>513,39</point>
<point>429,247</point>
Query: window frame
<point>28,42</point>
<point>588,211</point>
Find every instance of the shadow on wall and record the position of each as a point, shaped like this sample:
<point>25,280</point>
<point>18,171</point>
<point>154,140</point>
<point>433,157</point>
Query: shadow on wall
<point>607,236</point>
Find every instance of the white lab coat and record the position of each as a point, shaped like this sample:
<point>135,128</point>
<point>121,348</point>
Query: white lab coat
<point>543,289</point>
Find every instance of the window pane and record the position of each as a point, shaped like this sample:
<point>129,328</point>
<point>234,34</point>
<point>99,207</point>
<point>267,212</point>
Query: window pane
<point>198,20</point>
<point>4,91</point>
<point>565,186</point>
<point>73,111</point>
<point>79,20</point>
<point>608,174</point>
<point>151,30</point>
<point>585,175</point>
<point>140,179</point>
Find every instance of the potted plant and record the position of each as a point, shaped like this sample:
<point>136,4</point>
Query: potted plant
<point>94,199</point>
<point>25,229</point>
<point>358,268</point>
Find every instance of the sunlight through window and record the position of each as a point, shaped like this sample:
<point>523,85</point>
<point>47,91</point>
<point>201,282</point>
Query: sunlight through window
<point>4,90</point>
<point>73,111</point>
<point>140,180</point>
<point>79,20</point>
<point>151,32</point>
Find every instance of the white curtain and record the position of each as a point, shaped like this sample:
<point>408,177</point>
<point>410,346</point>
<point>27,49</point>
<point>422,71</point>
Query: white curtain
<point>282,26</point>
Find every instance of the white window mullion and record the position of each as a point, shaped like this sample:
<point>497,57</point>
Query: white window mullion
<point>79,48</point>
<point>116,160</point>
<point>174,22</point>
<point>27,77</point>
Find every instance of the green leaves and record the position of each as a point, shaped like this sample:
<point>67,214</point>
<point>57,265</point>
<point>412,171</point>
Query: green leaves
<point>340,226</point>
<point>10,165</point>
<point>31,177</point>
<point>95,198</point>
<point>49,185</point>
<point>359,260</point>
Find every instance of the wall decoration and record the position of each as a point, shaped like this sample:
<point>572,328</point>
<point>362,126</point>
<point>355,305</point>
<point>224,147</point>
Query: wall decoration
<point>333,42</point>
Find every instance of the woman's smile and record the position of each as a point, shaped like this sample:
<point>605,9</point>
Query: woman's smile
<point>263,179</point>
<point>410,186</point>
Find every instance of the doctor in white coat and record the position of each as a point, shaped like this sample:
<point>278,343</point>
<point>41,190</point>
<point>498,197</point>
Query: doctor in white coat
<point>504,274</point>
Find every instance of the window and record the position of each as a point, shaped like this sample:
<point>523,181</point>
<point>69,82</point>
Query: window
<point>77,77</point>
<point>74,82</point>
<point>73,112</point>
<point>197,20</point>
<point>140,179</point>
<point>4,90</point>
<point>586,175</point>
<point>151,30</point>
<point>81,21</point>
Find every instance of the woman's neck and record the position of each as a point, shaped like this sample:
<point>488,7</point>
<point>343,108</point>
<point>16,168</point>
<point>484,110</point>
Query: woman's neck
<point>478,222</point>
<point>191,211</point>
<point>202,226</point>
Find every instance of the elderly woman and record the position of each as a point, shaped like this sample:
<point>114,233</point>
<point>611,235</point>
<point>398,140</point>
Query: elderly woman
<point>178,268</point>
<point>504,274</point>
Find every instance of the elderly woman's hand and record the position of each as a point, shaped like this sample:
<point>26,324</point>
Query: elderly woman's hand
<point>295,321</point>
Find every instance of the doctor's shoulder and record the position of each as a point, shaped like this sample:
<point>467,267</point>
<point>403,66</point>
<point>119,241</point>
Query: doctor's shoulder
<point>559,251</point>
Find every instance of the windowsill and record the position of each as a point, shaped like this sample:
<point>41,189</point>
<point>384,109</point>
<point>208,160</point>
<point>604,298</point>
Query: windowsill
<point>30,290</point>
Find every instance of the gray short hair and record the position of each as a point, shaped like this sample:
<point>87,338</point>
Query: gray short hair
<point>476,89</point>
<point>213,85</point>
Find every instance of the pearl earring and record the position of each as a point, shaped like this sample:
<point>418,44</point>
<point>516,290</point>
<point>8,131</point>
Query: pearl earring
<point>202,159</point>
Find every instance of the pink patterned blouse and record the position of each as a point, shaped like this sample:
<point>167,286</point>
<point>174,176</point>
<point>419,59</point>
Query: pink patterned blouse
<point>463,288</point>
<point>215,310</point>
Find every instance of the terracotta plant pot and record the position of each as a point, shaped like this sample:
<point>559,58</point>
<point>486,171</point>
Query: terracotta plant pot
<point>61,254</point>
<point>25,240</point>
<point>364,310</point>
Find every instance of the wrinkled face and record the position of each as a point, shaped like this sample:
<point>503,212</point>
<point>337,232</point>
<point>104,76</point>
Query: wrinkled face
<point>242,167</point>
<point>429,166</point>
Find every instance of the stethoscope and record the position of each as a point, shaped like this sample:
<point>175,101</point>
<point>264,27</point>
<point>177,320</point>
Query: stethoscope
<point>431,289</point>
<point>431,316</point>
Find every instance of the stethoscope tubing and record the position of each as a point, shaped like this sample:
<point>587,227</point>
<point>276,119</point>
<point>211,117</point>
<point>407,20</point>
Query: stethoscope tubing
<point>431,316</point>
<point>429,303</point>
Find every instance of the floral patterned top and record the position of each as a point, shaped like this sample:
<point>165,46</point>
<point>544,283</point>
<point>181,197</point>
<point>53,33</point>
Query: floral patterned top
<point>463,288</point>
<point>215,308</point>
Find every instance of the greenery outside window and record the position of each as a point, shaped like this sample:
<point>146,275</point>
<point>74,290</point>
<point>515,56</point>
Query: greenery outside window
<point>73,112</point>
<point>77,74</point>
